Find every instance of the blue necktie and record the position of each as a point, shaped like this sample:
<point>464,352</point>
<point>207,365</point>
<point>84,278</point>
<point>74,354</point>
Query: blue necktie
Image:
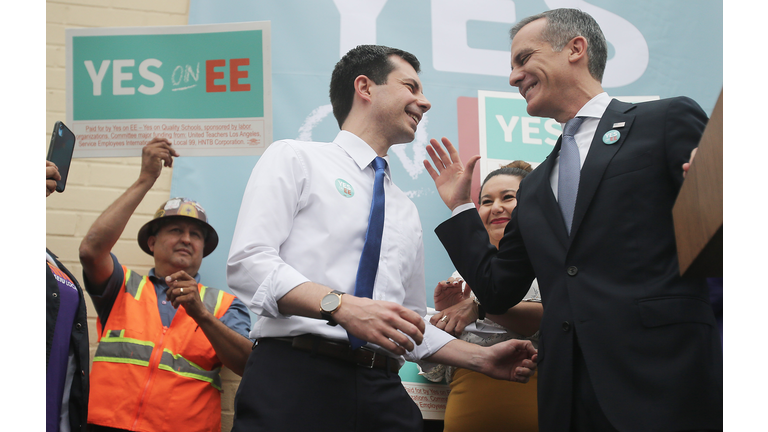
<point>369,259</point>
<point>570,171</point>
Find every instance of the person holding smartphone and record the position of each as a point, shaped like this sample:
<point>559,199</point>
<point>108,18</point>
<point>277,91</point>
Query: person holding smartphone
<point>60,155</point>
<point>66,340</point>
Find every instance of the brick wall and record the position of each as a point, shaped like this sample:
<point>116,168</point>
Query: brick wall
<point>95,183</point>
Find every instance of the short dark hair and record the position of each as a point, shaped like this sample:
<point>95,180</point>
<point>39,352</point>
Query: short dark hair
<point>516,168</point>
<point>369,60</point>
<point>564,25</point>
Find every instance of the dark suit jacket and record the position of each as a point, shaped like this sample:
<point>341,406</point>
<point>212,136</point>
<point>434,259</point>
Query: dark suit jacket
<point>648,336</point>
<point>78,396</point>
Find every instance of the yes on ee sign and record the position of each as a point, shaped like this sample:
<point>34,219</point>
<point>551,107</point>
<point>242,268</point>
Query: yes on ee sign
<point>123,76</point>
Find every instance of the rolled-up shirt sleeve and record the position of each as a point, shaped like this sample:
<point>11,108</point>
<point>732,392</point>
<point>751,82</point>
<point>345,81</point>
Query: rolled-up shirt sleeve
<point>434,340</point>
<point>274,194</point>
<point>416,300</point>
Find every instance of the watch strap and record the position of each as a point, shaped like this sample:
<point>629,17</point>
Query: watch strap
<point>480,309</point>
<point>328,316</point>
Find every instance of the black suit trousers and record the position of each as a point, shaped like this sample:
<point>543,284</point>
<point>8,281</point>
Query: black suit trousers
<point>284,389</point>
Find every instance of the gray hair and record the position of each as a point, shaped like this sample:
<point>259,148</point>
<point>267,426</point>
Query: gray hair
<point>566,24</point>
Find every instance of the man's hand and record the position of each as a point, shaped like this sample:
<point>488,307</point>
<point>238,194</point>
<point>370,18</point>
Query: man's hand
<point>687,165</point>
<point>512,360</point>
<point>454,319</point>
<point>231,348</point>
<point>182,291</point>
<point>51,177</point>
<point>384,323</point>
<point>154,156</point>
<point>452,179</point>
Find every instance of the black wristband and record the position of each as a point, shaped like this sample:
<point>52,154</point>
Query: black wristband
<point>480,309</point>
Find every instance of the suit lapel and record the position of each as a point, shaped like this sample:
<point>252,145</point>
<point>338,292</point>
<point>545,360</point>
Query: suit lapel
<point>545,197</point>
<point>600,155</point>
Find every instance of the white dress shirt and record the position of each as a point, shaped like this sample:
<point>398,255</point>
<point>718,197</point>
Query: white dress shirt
<point>304,217</point>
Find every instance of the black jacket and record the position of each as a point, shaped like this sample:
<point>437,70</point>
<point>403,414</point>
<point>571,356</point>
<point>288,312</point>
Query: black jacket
<point>648,336</point>
<point>78,398</point>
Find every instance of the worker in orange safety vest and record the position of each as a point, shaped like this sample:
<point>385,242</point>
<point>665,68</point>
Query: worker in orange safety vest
<point>157,366</point>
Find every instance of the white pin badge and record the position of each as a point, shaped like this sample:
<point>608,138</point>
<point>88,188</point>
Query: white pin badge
<point>618,125</point>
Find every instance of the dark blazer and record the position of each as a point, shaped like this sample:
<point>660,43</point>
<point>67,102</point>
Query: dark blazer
<point>648,336</point>
<point>78,397</point>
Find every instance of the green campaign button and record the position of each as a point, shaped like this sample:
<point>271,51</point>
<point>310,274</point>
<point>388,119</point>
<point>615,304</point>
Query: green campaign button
<point>344,188</point>
<point>611,137</point>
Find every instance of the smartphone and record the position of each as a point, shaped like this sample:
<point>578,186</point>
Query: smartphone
<point>60,152</point>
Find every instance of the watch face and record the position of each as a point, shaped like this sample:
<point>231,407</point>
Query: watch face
<point>330,302</point>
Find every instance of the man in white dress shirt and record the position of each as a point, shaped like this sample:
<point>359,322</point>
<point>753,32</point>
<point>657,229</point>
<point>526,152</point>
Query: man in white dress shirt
<point>298,241</point>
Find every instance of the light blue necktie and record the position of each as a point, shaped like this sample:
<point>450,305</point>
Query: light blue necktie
<point>369,259</point>
<point>570,171</point>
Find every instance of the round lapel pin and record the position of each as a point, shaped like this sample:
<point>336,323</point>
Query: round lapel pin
<point>611,137</point>
<point>344,188</point>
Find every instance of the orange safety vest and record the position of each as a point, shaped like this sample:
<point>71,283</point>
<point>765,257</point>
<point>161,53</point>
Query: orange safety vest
<point>147,377</point>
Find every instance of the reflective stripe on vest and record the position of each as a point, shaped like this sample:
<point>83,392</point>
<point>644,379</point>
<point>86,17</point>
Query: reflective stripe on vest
<point>211,298</point>
<point>179,365</point>
<point>134,284</point>
<point>118,349</point>
<point>115,348</point>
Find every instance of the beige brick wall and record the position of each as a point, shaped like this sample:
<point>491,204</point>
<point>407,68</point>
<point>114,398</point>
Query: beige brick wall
<point>95,183</point>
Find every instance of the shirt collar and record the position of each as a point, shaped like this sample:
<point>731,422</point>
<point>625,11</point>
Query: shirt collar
<point>157,280</point>
<point>357,149</point>
<point>595,108</point>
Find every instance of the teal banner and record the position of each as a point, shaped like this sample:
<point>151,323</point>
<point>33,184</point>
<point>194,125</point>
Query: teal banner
<point>208,88</point>
<point>657,48</point>
<point>510,133</point>
<point>204,75</point>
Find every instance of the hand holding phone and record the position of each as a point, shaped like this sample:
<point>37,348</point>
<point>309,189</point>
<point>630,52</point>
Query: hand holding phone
<point>60,152</point>
<point>51,177</point>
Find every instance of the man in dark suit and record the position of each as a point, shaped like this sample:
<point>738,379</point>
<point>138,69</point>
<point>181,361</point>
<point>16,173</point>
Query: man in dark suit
<point>626,343</point>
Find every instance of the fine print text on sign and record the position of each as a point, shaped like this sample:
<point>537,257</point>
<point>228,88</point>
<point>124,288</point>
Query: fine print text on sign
<point>194,137</point>
<point>430,398</point>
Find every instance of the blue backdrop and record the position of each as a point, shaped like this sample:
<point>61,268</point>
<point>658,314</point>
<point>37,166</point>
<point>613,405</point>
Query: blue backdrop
<point>656,47</point>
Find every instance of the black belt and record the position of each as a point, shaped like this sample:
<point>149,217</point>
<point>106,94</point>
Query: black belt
<point>341,351</point>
